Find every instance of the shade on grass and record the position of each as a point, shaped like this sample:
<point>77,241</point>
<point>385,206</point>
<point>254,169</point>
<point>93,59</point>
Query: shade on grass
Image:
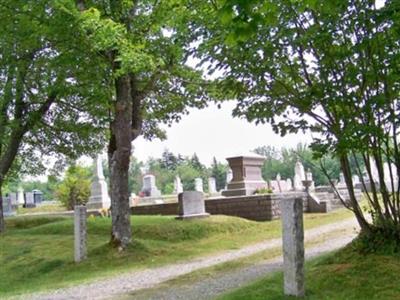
<point>37,252</point>
<point>343,275</point>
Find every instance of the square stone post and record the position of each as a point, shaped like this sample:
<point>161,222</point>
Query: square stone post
<point>293,246</point>
<point>80,232</point>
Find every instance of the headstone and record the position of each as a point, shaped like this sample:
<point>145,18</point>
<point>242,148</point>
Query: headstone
<point>29,200</point>
<point>212,186</point>
<point>14,199</point>
<point>356,180</point>
<point>309,176</point>
<point>8,207</point>
<point>37,196</point>
<point>289,184</point>
<point>198,184</point>
<point>99,197</point>
<point>298,185</point>
<point>21,196</point>
<point>80,232</point>
<point>149,186</point>
<point>178,187</point>
<point>293,246</point>
<point>342,180</point>
<point>247,176</point>
<point>299,176</point>
<point>191,205</point>
<point>299,170</point>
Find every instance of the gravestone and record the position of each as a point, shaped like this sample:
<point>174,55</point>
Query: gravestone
<point>229,176</point>
<point>21,196</point>
<point>289,184</point>
<point>198,185</point>
<point>191,205</point>
<point>99,197</point>
<point>374,170</point>
<point>37,196</point>
<point>29,200</point>
<point>149,188</point>
<point>178,187</point>
<point>14,200</point>
<point>342,180</point>
<point>80,232</point>
<point>8,207</point>
<point>299,176</point>
<point>247,175</point>
<point>293,246</point>
<point>212,186</point>
<point>356,180</point>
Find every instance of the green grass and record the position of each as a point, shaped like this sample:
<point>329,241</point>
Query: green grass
<point>43,208</point>
<point>36,253</point>
<point>345,274</point>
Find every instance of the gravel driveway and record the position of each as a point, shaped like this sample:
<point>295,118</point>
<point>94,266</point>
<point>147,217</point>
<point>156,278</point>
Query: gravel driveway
<point>136,280</point>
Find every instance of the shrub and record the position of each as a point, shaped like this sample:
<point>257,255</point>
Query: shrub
<point>75,187</point>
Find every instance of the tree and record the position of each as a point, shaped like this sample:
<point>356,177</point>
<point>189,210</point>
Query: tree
<point>47,95</point>
<point>329,67</point>
<point>74,189</point>
<point>218,171</point>
<point>145,45</point>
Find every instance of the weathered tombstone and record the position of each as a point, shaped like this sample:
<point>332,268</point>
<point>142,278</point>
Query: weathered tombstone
<point>293,246</point>
<point>80,232</point>
<point>99,197</point>
<point>14,199</point>
<point>299,176</point>
<point>149,186</point>
<point>37,196</point>
<point>178,187</point>
<point>191,205</point>
<point>198,184</point>
<point>212,186</point>
<point>342,181</point>
<point>8,207</point>
<point>247,175</point>
<point>29,200</point>
<point>21,196</point>
<point>356,180</point>
<point>289,184</point>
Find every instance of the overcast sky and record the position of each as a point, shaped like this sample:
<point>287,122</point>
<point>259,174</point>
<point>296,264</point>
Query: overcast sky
<point>214,132</point>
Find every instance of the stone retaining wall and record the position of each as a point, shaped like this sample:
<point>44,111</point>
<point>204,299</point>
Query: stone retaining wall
<point>258,207</point>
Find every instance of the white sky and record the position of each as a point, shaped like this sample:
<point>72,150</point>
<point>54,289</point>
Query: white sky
<point>214,132</point>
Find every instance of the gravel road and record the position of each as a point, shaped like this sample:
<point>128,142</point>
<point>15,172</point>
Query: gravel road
<point>149,278</point>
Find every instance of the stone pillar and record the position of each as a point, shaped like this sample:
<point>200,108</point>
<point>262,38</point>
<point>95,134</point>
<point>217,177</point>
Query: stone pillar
<point>99,197</point>
<point>293,246</point>
<point>178,187</point>
<point>80,232</point>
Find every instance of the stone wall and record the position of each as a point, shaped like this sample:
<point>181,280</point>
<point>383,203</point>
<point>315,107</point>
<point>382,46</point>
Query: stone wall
<point>257,207</point>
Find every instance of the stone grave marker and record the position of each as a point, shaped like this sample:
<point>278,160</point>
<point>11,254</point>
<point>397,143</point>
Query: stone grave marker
<point>191,205</point>
<point>8,207</point>
<point>149,186</point>
<point>178,187</point>
<point>80,233</point>
<point>293,246</point>
<point>198,184</point>
<point>29,200</point>
<point>99,197</point>
<point>212,186</point>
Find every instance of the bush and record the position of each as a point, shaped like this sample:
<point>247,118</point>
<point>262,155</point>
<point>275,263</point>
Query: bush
<point>381,240</point>
<point>261,191</point>
<point>75,188</point>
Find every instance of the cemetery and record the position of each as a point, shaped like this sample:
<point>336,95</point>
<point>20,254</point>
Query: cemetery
<point>124,131</point>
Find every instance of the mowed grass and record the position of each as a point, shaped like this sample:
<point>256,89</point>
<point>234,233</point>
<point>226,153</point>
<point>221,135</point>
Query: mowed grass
<point>36,253</point>
<point>342,275</point>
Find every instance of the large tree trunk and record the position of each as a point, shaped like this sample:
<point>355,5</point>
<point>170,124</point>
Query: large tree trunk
<point>2,223</point>
<point>119,157</point>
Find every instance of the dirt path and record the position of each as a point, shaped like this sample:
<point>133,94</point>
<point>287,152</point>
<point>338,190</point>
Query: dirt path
<point>137,280</point>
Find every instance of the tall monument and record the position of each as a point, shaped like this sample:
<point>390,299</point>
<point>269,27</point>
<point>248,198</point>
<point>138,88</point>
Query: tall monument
<point>99,197</point>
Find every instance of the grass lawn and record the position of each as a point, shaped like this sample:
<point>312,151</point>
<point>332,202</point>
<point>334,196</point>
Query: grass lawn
<point>36,253</point>
<point>345,274</point>
<point>43,208</point>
